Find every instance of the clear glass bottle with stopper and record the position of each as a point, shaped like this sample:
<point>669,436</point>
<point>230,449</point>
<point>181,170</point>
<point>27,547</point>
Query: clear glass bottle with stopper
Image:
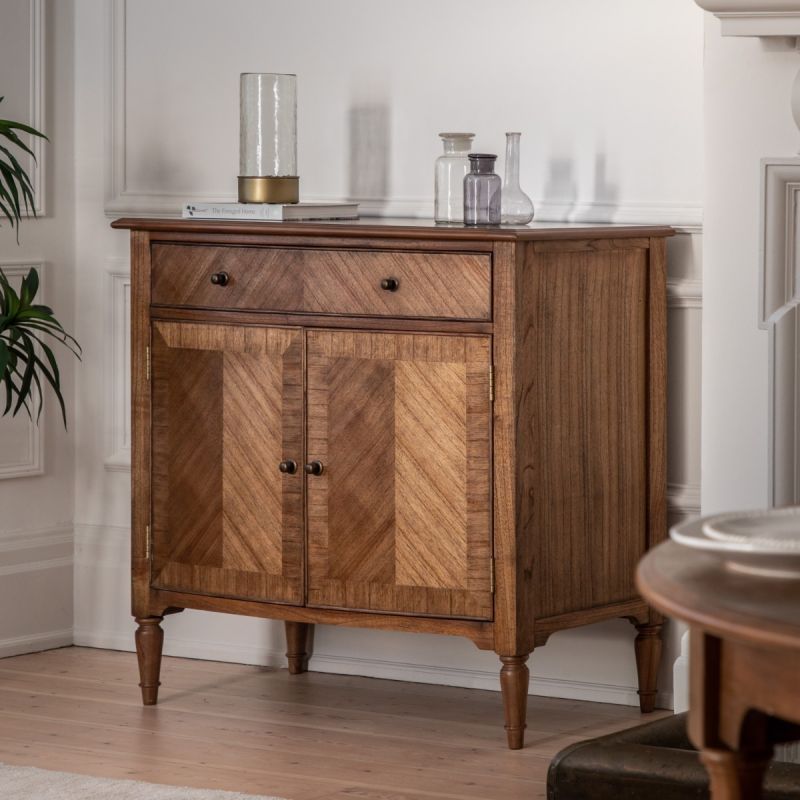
<point>451,167</point>
<point>517,208</point>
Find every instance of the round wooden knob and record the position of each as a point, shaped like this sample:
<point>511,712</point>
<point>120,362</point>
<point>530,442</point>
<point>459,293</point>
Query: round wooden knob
<point>314,468</point>
<point>390,284</point>
<point>220,279</point>
<point>288,467</point>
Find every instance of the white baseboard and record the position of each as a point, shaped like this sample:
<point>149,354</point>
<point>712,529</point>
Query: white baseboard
<point>373,668</point>
<point>35,643</point>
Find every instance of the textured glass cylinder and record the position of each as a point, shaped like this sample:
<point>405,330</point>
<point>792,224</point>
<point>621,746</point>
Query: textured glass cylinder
<point>268,125</point>
<point>482,191</point>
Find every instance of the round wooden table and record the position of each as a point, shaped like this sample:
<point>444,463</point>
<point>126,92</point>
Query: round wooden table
<point>744,694</point>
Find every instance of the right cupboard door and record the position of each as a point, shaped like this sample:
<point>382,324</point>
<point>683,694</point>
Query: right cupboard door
<point>399,520</point>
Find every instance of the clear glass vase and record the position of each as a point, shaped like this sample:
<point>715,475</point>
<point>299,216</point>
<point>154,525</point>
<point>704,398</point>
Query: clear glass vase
<point>482,190</point>
<point>517,208</point>
<point>450,171</point>
<point>268,138</point>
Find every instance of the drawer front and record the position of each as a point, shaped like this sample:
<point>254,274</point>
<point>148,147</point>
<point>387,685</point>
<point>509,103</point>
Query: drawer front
<point>367,283</point>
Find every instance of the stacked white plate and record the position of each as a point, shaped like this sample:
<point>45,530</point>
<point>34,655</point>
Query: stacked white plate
<point>765,543</point>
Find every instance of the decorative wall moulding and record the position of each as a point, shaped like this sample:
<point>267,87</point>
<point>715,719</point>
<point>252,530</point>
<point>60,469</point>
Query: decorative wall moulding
<point>22,64</point>
<point>122,200</point>
<point>25,457</point>
<point>779,313</point>
<point>117,374</point>
<point>754,18</point>
<point>779,262</point>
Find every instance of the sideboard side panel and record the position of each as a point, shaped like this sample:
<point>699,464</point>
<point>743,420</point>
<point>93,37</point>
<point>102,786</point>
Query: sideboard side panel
<point>583,353</point>
<point>514,590</point>
<point>657,393</point>
<point>140,423</point>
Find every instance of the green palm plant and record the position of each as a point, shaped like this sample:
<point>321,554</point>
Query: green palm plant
<point>16,189</point>
<point>25,327</point>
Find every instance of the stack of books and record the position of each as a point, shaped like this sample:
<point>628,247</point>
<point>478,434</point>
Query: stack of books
<point>270,212</point>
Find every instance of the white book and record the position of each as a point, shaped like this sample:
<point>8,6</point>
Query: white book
<point>270,212</point>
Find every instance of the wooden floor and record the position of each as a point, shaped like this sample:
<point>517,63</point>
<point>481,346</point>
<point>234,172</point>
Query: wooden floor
<point>308,737</point>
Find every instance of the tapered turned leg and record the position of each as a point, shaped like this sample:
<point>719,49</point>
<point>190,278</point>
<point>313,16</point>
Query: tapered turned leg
<point>648,658</point>
<point>299,646</point>
<point>735,775</point>
<point>514,677</point>
<point>149,641</point>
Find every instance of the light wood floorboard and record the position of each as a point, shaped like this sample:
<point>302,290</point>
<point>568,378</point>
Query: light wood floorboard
<point>262,731</point>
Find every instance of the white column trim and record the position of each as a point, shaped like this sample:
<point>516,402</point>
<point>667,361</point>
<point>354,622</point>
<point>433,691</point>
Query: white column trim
<point>117,371</point>
<point>36,100</point>
<point>779,314</point>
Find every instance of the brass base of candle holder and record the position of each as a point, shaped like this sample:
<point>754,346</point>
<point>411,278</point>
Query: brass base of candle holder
<point>269,189</point>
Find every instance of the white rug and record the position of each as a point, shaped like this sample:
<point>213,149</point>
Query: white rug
<point>29,783</point>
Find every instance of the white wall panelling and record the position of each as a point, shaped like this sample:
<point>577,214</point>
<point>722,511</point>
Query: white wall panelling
<point>118,373</point>
<point>37,494</point>
<point>32,562</point>
<point>22,42</point>
<point>576,173</point>
<point>779,299</point>
<point>22,453</point>
<point>756,17</point>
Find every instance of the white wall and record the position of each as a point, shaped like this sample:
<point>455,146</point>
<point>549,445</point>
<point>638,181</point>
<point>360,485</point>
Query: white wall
<point>747,117</point>
<point>609,100</point>
<point>36,463</point>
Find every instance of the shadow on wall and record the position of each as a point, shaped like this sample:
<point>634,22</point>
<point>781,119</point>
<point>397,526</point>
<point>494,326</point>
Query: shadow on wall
<point>561,193</point>
<point>370,149</point>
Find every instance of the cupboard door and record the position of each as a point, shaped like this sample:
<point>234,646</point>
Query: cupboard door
<point>399,520</point>
<point>227,405</point>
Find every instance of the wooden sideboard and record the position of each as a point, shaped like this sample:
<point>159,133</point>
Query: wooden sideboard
<point>395,425</point>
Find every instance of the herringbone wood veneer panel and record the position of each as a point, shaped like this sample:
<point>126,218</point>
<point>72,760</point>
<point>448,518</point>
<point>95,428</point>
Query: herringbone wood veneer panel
<point>400,519</point>
<point>227,408</point>
<point>438,285</point>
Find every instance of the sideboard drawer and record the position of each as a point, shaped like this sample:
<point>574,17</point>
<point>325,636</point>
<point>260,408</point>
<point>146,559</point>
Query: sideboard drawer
<point>367,283</point>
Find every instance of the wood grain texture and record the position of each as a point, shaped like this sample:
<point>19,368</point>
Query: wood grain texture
<point>299,646</point>
<point>227,409</point>
<point>260,318</point>
<point>583,424</point>
<point>371,230</point>
<point>481,633</point>
<point>428,489</point>
<point>455,285</point>
<point>413,459</point>
<point>149,643</point>
<point>657,393</point>
<point>745,646</point>
<point>513,549</point>
<point>735,775</point>
<point>255,730</point>
<point>140,424</point>
<point>514,679</point>
<point>647,647</point>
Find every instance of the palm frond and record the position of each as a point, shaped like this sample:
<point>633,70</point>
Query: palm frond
<point>16,189</point>
<point>24,326</point>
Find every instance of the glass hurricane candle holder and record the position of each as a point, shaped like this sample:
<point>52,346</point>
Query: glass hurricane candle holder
<point>268,138</point>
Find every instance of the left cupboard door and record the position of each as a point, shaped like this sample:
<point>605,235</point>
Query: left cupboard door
<point>227,427</point>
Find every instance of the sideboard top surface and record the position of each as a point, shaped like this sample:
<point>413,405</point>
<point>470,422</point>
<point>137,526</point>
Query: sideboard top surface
<point>385,227</point>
